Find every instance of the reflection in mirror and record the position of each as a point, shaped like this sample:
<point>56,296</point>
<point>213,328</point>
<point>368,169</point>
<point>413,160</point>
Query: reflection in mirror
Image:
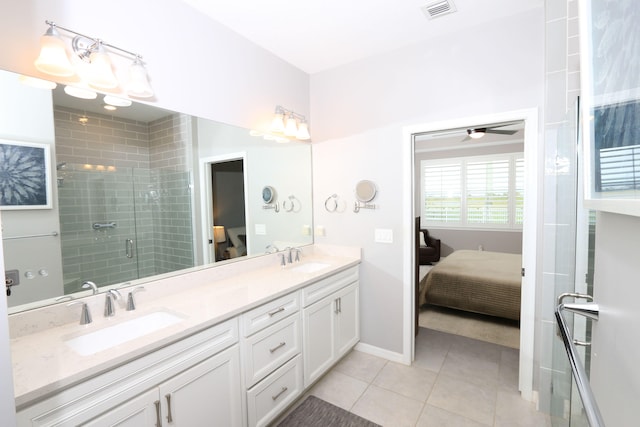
<point>132,198</point>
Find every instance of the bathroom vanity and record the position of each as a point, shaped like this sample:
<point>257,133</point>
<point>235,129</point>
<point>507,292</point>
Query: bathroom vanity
<point>230,346</point>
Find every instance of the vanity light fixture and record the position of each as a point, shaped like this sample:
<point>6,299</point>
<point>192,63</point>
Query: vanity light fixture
<point>54,60</point>
<point>117,102</point>
<point>295,125</point>
<point>37,83</point>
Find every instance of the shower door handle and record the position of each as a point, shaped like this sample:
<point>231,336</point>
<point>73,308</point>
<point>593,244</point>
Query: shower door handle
<point>128,248</point>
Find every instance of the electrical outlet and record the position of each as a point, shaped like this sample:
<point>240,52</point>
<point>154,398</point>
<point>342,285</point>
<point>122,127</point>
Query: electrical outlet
<point>12,277</point>
<point>383,235</point>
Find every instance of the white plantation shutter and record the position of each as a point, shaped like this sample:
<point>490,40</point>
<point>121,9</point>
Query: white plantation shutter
<point>474,192</point>
<point>519,192</point>
<point>443,193</point>
<point>488,192</point>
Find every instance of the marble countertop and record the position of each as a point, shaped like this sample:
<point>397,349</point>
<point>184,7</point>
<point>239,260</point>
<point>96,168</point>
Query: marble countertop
<point>43,363</point>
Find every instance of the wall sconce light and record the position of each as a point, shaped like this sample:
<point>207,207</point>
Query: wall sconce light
<point>98,73</point>
<point>295,125</point>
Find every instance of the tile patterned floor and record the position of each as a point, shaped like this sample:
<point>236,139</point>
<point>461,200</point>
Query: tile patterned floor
<point>454,381</point>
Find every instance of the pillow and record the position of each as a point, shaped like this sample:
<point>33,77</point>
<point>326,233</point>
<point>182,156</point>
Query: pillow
<point>422,241</point>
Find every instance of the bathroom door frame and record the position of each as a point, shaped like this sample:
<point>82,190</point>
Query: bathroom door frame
<point>206,197</point>
<point>533,213</point>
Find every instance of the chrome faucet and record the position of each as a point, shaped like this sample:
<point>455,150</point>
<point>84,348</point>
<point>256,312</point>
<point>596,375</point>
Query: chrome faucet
<point>270,249</point>
<point>298,251</point>
<point>85,315</point>
<point>89,284</point>
<point>288,249</point>
<point>131,303</point>
<point>109,306</point>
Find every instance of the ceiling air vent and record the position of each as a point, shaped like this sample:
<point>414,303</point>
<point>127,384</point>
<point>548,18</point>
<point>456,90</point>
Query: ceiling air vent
<point>438,8</point>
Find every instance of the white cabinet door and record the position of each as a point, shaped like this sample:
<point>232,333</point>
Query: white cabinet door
<point>208,394</point>
<point>318,338</point>
<point>347,320</point>
<point>137,412</point>
<point>331,328</point>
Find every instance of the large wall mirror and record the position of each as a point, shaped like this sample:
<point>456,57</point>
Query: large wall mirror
<point>136,193</point>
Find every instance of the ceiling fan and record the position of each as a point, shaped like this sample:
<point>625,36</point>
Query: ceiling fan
<point>476,133</point>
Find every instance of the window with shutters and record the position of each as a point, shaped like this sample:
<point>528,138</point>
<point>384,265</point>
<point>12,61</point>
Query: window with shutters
<point>474,192</point>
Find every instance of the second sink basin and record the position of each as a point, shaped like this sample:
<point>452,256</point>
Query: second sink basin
<point>310,267</point>
<point>102,339</point>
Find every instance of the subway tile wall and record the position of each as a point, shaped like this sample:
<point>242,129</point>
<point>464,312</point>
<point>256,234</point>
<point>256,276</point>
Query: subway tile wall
<point>133,174</point>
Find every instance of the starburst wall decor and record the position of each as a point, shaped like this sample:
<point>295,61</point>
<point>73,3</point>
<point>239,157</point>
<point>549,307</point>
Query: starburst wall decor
<point>24,175</point>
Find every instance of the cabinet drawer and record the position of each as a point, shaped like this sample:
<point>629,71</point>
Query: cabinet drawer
<point>327,286</point>
<point>270,348</point>
<point>269,313</point>
<point>270,396</point>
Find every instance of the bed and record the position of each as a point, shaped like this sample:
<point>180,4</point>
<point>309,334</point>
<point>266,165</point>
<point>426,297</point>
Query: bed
<point>477,281</point>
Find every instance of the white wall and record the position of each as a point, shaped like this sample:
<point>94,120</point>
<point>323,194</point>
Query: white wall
<point>359,111</point>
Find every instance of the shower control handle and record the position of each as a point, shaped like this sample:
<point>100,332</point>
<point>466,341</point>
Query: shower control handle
<point>128,248</point>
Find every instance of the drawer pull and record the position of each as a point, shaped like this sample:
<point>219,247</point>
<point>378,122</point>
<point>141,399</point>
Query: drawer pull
<point>158,416</point>
<point>282,344</point>
<point>274,312</point>
<point>169,417</point>
<point>284,389</point>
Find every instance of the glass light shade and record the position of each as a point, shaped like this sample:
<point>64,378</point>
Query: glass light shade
<point>476,134</point>
<point>100,73</point>
<point>53,57</point>
<point>139,81</point>
<point>79,92</point>
<point>277,125</point>
<point>37,83</point>
<point>303,131</point>
<point>291,129</point>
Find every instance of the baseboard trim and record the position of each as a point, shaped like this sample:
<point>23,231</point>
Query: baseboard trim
<point>380,352</point>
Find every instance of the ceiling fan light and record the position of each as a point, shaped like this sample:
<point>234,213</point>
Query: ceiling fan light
<point>53,59</point>
<point>475,133</point>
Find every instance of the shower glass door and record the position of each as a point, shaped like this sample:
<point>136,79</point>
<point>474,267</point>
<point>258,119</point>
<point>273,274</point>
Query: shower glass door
<point>98,225</point>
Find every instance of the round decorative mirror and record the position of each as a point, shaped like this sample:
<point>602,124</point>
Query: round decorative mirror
<point>365,191</point>
<point>268,194</point>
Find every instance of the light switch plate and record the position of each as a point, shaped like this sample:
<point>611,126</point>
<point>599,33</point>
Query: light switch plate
<point>261,229</point>
<point>384,235</point>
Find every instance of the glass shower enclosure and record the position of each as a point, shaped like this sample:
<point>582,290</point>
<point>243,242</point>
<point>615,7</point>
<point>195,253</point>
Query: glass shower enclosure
<point>119,224</point>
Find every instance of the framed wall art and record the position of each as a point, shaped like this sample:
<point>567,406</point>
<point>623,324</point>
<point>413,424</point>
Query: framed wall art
<point>25,175</point>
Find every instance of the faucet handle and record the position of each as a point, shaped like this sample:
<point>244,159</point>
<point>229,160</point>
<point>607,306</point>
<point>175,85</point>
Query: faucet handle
<point>131,303</point>
<point>298,251</point>
<point>283,263</point>
<point>85,315</point>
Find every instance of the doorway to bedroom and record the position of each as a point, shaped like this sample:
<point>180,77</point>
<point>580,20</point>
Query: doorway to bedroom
<point>490,176</point>
<point>469,201</point>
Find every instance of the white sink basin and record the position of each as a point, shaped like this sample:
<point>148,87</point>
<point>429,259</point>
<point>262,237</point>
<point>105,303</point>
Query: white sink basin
<point>310,267</point>
<point>102,339</point>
